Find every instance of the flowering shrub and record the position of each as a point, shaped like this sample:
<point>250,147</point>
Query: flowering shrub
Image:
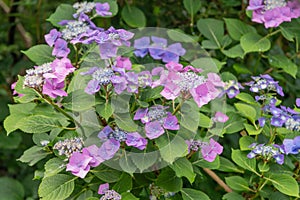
<point>143,114</point>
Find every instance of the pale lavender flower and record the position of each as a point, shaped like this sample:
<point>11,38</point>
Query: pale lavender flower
<point>53,88</point>
<point>93,152</point>
<point>123,62</point>
<point>107,193</point>
<point>232,88</point>
<point>141,46</point>
<point>60,49</point>
<point>61,68</point>
<point>136,140</point>
<point>298,102</point>
<point>262,121</point>
<point>103,188</point>
<point>52,36</point>
<point>173,52</point>
<point>154,129</point>
<point>211,150</point>
<point>292,146</point>
<point>102,9</point>
<point>79,164</point>
<point>108,149</point>
<point>119,83</point>
<point>220,117</point>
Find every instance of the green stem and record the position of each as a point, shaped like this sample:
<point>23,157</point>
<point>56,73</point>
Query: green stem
<point>178,107</point>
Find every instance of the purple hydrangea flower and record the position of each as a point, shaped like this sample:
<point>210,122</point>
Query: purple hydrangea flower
<point>79,164</point>
<point>220,117</point>
<point>61,68</point>
<point>53,88</point>
<point>298,102</point>
<point>136,140</point>
<point>103,188</point>
<point>232,88</point>
<point>108,149</point>
<point>61,49</point>
<point>292,146</point>
<point>107,193</point>
<point>156,120</point>
<point>52,36</point>
<point>102,9</point>
<point>141,46</point>
<point>93,152</point>
<point>211,150</point>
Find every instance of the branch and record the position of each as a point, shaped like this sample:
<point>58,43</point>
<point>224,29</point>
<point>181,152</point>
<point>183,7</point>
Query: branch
<point>214,176</point>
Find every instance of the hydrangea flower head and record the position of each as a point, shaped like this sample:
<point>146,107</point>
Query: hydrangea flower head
<point>79,164</point>
<point>292,146</point>
<point>107,193</point>
<point>52,36</point>
<point>211,150</point>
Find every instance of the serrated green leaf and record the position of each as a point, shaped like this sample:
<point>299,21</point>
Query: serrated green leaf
<point>168,180</point>
<point>124,121</point>
<point>245,142</point>
<point>252,42</point>
<point>105,110</point>
<point>33,155</point>
<point>192,194</point>
<point>251,130</point>
<point>245,97</point>
<point>285,183</point>
<point>124,184</point>
<point>183,167</point>
<point>59,186</point>
<point>107,174</point>
<point>234,124</point>
<point>241,159</point>
<point>53,167</point>
<point>192,6</point>
<point>78,101</point>
<point>234,52</point>
<point>133,16</point>
<point>11,189</point>
<point>144,160</point>
<point>236,28</point>
<point>237,183</point>
<point>62,12</point>
<point>227,166</point>
<point>247,111</point>
<point>128,196</point>
<point>212,29</point>
<point>283,62</point>
<point>40,54</point>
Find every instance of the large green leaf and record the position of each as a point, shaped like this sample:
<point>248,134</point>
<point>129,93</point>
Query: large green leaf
<point>234,124</point>
<point>247,111</point>
<point>183,167</point>
<point>232,196</point>
<point>236,28</point>
<point>227,166</point>
<point>144,160</point>
<point>133,16</point>
<point>192,6</point>
<point>62,12</point>
<point>252,42</point>
<point>33,155</point>
<point>234,52</point>
<point>192,194</point>
<point>39,54</point>
<point>78,101</point>
<point>237,183</point>
<point>11,189</point>
<point>125,122</point>
<point>11,141</point>
<point>241,159</point>
<point>245,142</point>
<point>53,167</point>
<point>59,186</point>
<point>124,184</point>
<point>128,196</point>
<point>283,62</point>
<point>168,180</point>
<point>212,29</point>
<point>107,174</point>
<point>291,30</point>
<point>285,184</point>
<point>28,94</point>
<point>105,110</point>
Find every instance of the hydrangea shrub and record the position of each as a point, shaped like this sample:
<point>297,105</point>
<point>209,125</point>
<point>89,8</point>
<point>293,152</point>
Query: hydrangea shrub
<point>150,114</point>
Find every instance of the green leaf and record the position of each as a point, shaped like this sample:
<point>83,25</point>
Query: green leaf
<point>227,166</point>
<point>53,167</point>
<point>285,183</point>
<point>62,12</point>
<point>127,164</point>
<point>124,184</point>
<point>59,186</point>
<point>128,196</point>
<point>251,130</point>
<point>168,180</point>
<point>11,141</point>
<point>105,110</point>
<point>236,28</point>
<point>252,42</point>
<point>263,167</point>
<point>183,167</point>
<point>234,124</point>
<point>189,119</point>
<point>247,111</point>
<point>237,183</point>
<point>233,196</point>
<point>204,121</point>
<point>241,159</point>
<point>107,174</point>
<point>144,160</point>
<point>171,147</point>
<point>39,54</point>
<point>192,194</point>
<point>282,62</point>
<point>85,195</point>
<point>38,124</point>
<point>33,155</point>
<point>291,30</point>
<point>125,122</point>
<point>151,94</point>
<point>133,16</point>
<point>179,36</point>
<point>11,189</point>
<point>28,94</point>
<point>245,97</point>
<point>245,142</point>
<point>78,101</point>
<point>192,6</point>
<point>212,29</point>
<point>234,52</point>
<point>205,164</point>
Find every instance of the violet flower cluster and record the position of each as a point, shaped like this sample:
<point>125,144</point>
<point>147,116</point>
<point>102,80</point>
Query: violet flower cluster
<point>280,116</point>
<point>49,78</point>
<point>274,12</point>
<point>156,120</point>
<point>107,193</point>
<point>231,88</point>
<point>267,152</point>
<point>292,146</point>
<point>209,150</point>
<point>159,49</point>
<point>186,82</point>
